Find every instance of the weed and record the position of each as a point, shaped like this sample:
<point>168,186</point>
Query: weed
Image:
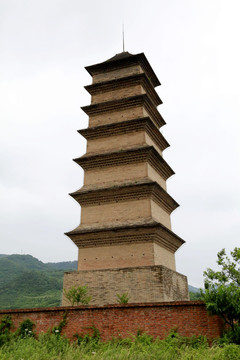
<point>93,337</point>
<point>77,295</point>
<point>5,326</point>
<point>122,298</point>
<point>57,330</point>
<point>26,329</point>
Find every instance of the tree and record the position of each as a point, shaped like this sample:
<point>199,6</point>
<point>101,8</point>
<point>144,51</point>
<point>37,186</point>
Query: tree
<point>222,289</point>
<point>195,295</point>
<point>77,295</point>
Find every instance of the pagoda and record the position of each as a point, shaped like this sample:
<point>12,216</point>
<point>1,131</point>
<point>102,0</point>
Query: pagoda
<point>125,242</point>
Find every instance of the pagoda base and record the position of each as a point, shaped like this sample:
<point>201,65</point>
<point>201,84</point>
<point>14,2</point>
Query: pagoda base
<point>148,284</point>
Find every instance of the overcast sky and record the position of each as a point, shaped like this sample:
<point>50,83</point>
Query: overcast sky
<point>193,47</point>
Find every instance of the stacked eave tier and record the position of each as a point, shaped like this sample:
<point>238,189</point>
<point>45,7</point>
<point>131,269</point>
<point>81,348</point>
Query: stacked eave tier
<point>128,85</point>
<point>124,198</point>
<point>123,90</point>
<point>128,134</point>
<point>125,61</point>
<point>123,98</point>
<point>127,108</point>
<point>144,225</point>
<point>142,154</point>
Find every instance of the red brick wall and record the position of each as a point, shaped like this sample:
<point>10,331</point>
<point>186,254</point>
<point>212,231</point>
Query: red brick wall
<point>190,318</point>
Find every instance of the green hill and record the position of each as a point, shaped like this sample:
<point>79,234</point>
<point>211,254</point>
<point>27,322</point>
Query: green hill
<point>193,289</point>
<point>65,265</point>
<point>27,282</point>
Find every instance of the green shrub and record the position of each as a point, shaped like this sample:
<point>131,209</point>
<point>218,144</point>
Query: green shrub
<point>77,295</point>
<point>229,337</point>
<point>57,330</point>
<point>231,352</point>
<point>143,338</point>
<point>5,326</point>
<point>54,344</point>
<point>93,337</point>
<point>122,298</point>
<point>138,347</point>
<point>26,329</point>
<point>222,290</point>
<point>195,296</point>
<point>194,341</point>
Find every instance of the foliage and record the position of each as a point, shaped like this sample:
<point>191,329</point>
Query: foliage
<point>140,347</point>
<point>26,329</point>
<point>222,290</point>
<point>195,295</point>
<point>53,344</point>
<point>123,298</point>
<point>5,326</point>
<point>27,282</point>
<point>63,265</point>
<point>77,295</point>
<point>31,289</point>
<point>194,341</point>
<point>93,337</point>
<point>57,330</point>
<point>229,337</point>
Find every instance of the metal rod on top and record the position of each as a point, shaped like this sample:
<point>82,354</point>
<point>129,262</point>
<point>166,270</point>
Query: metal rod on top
<point>123,37</point>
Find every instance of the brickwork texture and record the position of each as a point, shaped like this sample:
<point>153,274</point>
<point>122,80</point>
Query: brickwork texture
<point>121,150</point>
<point>189,318</point>
<point>143,284</point>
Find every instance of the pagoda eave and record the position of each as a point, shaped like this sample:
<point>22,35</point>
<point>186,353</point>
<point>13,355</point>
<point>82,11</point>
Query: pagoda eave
<point>124,238</point>
<point>119,83</point>
<point>124,157</point>
<point>126,103</point>
<point>86,236</point>
<point>124,192</point>
<point>124,60</point>
<point>124,127</point>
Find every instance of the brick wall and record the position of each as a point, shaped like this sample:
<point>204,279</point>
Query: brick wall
<point>145,284</point>
<point>190,318</point>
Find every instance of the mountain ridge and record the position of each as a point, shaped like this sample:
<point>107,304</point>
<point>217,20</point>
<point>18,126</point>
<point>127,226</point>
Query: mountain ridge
<point>26,282</point>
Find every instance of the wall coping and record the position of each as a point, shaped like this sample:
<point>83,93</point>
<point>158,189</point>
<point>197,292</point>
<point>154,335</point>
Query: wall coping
<point>104,307</point>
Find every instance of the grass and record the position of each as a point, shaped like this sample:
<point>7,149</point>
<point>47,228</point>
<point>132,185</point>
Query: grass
<point>143,347</point>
